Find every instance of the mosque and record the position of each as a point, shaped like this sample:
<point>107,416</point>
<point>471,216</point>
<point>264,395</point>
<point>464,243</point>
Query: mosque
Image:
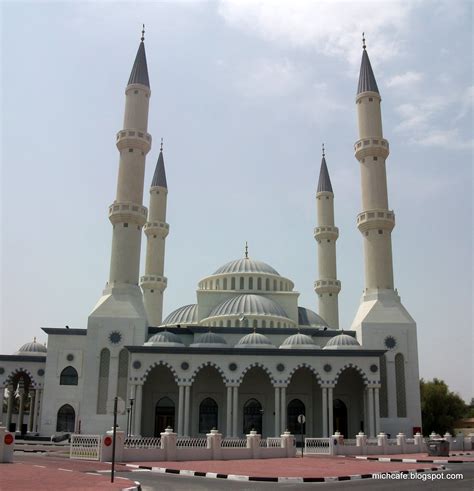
<point>245,355</point>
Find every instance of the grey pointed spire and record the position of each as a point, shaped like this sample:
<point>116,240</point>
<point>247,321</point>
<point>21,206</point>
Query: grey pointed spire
<point>324,183</point>
<point>159,177</point>
<point>366,77</point>
<point>139,73</point>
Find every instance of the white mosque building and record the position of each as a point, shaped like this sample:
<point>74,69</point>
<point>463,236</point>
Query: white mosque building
<point>245,355</point>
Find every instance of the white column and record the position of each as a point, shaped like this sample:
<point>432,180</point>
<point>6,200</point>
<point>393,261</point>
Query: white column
<point>370,402</point>
<point>11,395</point>
<point>2,398</point>
<point>187,392</point>
<point>179,427</point>
<point>377,410</point>
<point>366,413</point>
<point>235,410</point>
<point>21,409</point>
<point>138,409</point>
<point>132,408</point>
<point>228,417</point>
<point>330,412</point>
<point>39,414</point>
<point>324,401</point>
<point>113,380</point>
<point>36,410</point>
<point>32,410</point>
<point>277,411</point>
<point>283,408</point>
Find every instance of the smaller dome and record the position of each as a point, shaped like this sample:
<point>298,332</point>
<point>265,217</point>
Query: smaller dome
<point>254,340</point>
<point>187,314</point>
<point>164,338</point>
<point>32,349</point>
<point>209,340</point>
<point>246,265</point>
<point>307,317</point>
<point>299,341</point>
<point>342,341</point>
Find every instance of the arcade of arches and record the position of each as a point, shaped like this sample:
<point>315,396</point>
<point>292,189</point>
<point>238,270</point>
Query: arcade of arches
<point>196,406</point>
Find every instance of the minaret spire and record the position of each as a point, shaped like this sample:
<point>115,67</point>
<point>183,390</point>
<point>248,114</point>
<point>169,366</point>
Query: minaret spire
<point>367,82</point>
<point>156,229</point>
<point>326,233</point>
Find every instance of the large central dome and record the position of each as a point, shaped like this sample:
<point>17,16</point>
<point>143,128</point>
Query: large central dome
<point>246,265</point>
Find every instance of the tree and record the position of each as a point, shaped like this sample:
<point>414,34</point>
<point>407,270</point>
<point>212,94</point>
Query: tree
<point>440,408</point>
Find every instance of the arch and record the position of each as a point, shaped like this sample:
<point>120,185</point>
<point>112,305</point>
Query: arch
<point>383,387</point>
<point>294,409</point>
<point>66,419</point>
<point>252,416</point>
<point>208,415</point>
<point>340,416</point>
<point>68,376</point>
<point>208,364</point>
<point>164,415</point>
<point>400,385</point>
<point>232,283</point>
<point>303,365</point>
<point>257,365</point>
<point>103,385</point>
<point>267,284</point>
<point>241,281</point>
<point>157,364</point>
<point>20,372</point>
<point>225,284</point>
<point>259,283</point>
<point>356,368</point>
<point>251,283</point>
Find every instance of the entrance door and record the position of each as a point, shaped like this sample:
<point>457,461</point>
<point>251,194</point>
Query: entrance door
<point>253,413</point>
<point>295,408</point>
<point>340,417</point>
<point>164,415</point>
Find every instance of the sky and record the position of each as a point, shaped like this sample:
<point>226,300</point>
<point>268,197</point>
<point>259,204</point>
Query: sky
<point>243,94</point>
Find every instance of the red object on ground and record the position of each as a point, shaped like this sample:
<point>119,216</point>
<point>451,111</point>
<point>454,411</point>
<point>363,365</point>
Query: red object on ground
<point>8,439</point>
<point>108,441</point>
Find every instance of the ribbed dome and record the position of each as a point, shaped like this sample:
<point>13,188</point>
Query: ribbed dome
<point>299,341</point>
<point>254,340</point>
<point>164,338</point>
<point>32,349</point>
<point>342,341</point>
<point>187,314</point>
<point>306,317</point>
<point>246,265</point>
<point>209,340</point>
<point>248,304</point>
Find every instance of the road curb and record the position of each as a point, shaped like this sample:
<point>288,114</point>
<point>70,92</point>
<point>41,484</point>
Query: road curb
<point>411,461</point>
<point>137,487</point>
<point>238,477</point>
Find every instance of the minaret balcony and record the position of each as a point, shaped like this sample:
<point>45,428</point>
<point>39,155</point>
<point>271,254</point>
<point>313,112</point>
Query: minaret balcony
<point>133,139</point>
<point>326,232</point>
<point>127,212</point>
<point>376,219</point>
<point>156,228</point>
<point>373,147</point>
<point>154,282</point>
<point>327,286</point>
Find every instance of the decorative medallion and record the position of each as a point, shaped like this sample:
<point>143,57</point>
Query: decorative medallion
<point>40,372</point>
<point>280,367</point>
<point>137,364</point>
<point>232,367</point>
<point>2,370</point>
<point>374,368</point>
<point>115,337</point>
<point>327,367</point>
<point>70,357</point>
<point>184,365</point>
<point>390,342</point>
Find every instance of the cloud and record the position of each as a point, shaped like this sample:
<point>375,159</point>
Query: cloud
<point>331,28</point>
<point>449,138</point>
<point>404,80</point>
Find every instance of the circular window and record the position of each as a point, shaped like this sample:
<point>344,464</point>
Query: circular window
<point>70,357</point>
<point>137,364</point>
<point>115,337</point>
<point>185,365</point>
<point>280,367</point>
<point>2,370</point>
<point>374,368</point>
<point>327,367</point>
<point>40,372</point>
<point>390,342</point>
<point>232,367</point>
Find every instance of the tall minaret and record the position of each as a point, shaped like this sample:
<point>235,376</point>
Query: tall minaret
<point>156,229</point>
<point>327,286</point>
<point>127,213</point>
<point>381,321</point>
<point>376,221</point>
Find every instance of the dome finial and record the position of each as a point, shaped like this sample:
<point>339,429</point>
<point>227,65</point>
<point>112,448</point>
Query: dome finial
<point>143,33</point>
<point>363,40</point>
<point>324,152</point>
<point>34,339</point>
<point>246,250</point>
<point>161,146</point>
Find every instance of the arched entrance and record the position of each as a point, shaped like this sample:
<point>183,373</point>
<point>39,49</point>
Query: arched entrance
<point>164,415</point>
<point>208,415</point>
<point>295,408</point>
<point>253,415</point>
<point>66,419</point>
<point>340,417</point>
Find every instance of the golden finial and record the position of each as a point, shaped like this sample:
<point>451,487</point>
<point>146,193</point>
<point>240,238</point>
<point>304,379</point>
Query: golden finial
<point>161,146</point>
<point>363,40</point>
<point>324,153</point>
<point>143,33</point>
<point>34,339</point>
<point>246,250</point>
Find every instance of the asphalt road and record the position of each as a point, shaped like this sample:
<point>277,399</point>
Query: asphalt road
<point>153,481</point>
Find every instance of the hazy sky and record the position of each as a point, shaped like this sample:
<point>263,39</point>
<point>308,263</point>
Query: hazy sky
<point>243,93</point>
